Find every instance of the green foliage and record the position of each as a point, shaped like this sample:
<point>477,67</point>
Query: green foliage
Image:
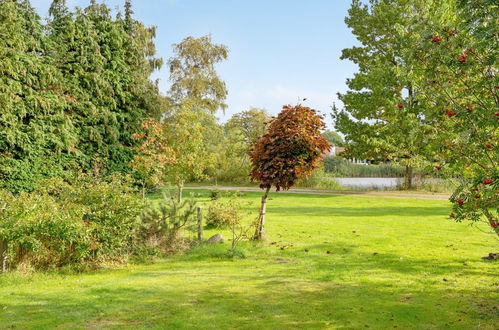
<point>378,119</point>
<point>341,167</point>
<point>240,132</point>
<point>33,121</point>
<point>195,95</point>
<point>215,194</point>
<point>334,138</point>
<point>193,74</point>
<point>223,213</point>
<point>61,224</point>
<point>161,224</point>
<point>428,86</point>
<point>72,91</point>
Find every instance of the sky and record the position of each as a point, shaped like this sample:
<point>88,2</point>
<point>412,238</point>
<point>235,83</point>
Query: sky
<point>280,51</point>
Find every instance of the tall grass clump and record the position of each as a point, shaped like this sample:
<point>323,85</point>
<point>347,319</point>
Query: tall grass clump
<point>320,180</point>
<point>341,167</point>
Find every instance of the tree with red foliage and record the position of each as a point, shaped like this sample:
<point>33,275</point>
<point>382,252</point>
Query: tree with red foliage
<point>290,150</point>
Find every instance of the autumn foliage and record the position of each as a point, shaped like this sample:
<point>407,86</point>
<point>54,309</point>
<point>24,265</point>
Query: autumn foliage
<point>290,150</point>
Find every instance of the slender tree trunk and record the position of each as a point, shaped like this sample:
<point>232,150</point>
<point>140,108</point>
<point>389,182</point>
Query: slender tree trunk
<point>3,255</point>
<point>180,187</point>
<point>408,177</point>
<point>260,233</point>
<point>143,192</point>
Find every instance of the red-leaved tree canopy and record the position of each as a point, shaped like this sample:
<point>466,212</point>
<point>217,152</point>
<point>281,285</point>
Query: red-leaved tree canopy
<point>290,150</point>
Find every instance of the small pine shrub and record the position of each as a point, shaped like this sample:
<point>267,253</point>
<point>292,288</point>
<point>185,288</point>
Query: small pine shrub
<point>161,224</point>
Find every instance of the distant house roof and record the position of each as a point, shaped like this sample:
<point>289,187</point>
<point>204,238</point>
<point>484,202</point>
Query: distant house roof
<point>334,150</point>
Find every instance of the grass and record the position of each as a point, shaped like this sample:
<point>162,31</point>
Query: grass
<point>391,263</point>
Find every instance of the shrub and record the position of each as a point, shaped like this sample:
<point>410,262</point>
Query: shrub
<point>161,224</point>
<point>215,194</point>
<point>221,213</point>
<point>62,224</point>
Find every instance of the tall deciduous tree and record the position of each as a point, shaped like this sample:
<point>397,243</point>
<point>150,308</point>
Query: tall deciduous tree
<point>184,135</point>
<point>378,120</point>
<point>193,75</point>
<point>195,95</point>
<point>446,52</point>
<point>454,49</point>
<point>239,133</point>
<point>290,150</point>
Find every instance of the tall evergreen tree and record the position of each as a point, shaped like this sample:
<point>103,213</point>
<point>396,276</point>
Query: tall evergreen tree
<point>34,127</point>
<point>106,67</point>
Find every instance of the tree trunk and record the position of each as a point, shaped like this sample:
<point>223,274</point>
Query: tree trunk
<point>408,177</point>
<point>3,255</point>
<point>259,233</point>
<point>180,187</point>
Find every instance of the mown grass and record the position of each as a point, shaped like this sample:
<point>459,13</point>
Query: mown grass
<point>337,262</point>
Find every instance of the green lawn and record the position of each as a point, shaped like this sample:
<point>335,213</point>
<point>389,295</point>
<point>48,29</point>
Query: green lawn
<point>392,263</point>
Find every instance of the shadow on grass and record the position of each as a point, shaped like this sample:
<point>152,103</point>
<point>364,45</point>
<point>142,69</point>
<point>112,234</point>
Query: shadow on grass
<point>365,211</point>
<point>201,299</point>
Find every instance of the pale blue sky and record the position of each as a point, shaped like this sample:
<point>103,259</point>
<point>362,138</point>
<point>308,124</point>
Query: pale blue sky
<point>280,50</point>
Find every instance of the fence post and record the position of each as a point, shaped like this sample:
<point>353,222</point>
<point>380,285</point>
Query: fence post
<point>3,255</point>
<point>200,223</point>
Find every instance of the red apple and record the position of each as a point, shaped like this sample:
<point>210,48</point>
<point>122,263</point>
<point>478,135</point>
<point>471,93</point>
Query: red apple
<point>488,145</point>
<point>460,202</point>
<point>438,167</point>
<point>488,181</point>
<point>400,106</point>
<point>450,113</point>
<point>477,196</point>
<point>462,58</point>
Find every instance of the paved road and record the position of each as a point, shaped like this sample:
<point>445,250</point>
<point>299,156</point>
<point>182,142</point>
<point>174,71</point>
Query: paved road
<point>387,194</point>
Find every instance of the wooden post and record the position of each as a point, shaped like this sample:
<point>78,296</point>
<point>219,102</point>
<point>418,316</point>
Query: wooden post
<point>200,223</point>
<point>3,255</point>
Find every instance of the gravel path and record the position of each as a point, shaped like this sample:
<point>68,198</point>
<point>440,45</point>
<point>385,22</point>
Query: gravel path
<point>387,194</point>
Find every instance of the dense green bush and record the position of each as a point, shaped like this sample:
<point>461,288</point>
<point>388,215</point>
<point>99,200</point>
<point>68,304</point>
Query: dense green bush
<point>59,224</point>
<point>221,213</point>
